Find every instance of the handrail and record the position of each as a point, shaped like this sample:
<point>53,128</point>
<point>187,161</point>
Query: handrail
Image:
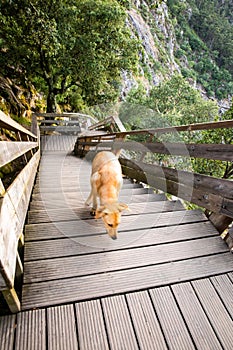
<point>213,194</point>
<point>9,124</point>
<point>173,129</point>
<point>66,123</point>
<point>14,201</point>
<point>114,121</point>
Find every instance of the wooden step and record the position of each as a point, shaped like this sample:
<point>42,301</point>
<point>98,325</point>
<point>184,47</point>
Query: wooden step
<point>80,201</point>
<point>75,246</point>
<point>98,285</point>
<point>65,214</point>
<point>92,227</point>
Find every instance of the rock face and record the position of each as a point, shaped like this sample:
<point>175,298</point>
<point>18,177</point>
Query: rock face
<point>152,23</point>
<point>152,26</point>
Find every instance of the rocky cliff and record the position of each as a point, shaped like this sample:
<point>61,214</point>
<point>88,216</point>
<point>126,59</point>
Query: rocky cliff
<point>169,43</point>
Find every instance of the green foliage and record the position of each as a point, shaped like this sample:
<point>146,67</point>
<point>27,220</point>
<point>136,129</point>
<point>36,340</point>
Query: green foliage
<point>180,103</point>
<point>171,103</point>
<point>60,44</point>
<point>205,34</point>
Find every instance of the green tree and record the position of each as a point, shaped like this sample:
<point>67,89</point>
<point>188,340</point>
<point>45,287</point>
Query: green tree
<point>180,103</point>
<point>57,44</point>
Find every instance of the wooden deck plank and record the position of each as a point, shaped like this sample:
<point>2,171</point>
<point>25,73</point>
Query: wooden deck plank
<point>63,202</point>
<point>71,185</point>
<point>215,311</point>
<point>45,270</point>
<point>7,330</point>
<point>145,322</point>
<point>61,328</point>
<point>39,250</point>
<point>118,324</point>
<point>171,320</point>
<point>74,195</point>
<point>54,215</point>
<point>224,287</point>
<point>57,142</point>
<point>31,330</point>
<point>91,227</point>
<point>195,317</point>
<point>111,283</point>
<point>91,328</point>
<point>133,293</point>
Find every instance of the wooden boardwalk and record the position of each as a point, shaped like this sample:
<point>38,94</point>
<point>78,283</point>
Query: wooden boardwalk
<point>165,283</point>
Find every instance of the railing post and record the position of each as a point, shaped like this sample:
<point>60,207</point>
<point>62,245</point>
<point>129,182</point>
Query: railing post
<point>34,128</point>
<point>12,300</point>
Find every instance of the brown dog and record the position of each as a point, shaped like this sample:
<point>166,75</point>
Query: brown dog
<point>106,182</point>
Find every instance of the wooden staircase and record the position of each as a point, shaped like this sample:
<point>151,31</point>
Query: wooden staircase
<point>165,283</point>
<point>65,247</point>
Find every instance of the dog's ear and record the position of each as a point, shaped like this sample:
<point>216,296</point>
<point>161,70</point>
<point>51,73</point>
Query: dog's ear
<point>122,206</point>
<point>101,211</point>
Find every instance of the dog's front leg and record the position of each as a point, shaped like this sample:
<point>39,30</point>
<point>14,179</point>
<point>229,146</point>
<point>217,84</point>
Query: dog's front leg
<point>93,195</point>
<point>94,203</point>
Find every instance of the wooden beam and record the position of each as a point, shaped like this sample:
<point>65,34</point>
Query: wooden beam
<point>2,189</point>
<point>224,124</point>
<point>12,217</point>
<point>208,151</point>
<point>9,124</point>
<point>213,202</point>
<point>220,221</point>
<point>221,187</point>
<point>12,150</point>
<point>12,300</point>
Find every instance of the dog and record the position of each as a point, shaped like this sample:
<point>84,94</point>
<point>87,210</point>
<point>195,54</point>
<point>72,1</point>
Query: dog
<point>106,182</point>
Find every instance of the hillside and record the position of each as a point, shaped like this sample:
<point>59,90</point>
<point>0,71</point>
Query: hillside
<point>80,53</point>
<point>194,38</point>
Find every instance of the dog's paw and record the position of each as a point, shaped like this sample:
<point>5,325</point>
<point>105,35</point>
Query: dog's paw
<point>92,212</point>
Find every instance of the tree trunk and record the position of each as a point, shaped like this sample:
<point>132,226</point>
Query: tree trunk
<point>51,101</point>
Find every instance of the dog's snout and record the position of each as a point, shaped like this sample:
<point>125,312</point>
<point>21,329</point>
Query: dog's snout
<point>112,233</point>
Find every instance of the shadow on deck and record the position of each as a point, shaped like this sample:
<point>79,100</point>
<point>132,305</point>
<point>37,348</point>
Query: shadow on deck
<point>165,283</point>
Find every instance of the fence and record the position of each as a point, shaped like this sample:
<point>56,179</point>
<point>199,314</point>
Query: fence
<point>14,201</point>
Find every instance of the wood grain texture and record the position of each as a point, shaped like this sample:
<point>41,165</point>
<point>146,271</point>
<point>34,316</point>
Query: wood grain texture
<point>91,328</point>
<point>7,329</point>
<point>12,217</point>
<point>197,321</point>
<point>105,294</point>
<point>171,320</point>
<point>61,328</point>
<point>105,284</point>
<point>12,150</point>
<point>222,324</point>
<point>31,330</point>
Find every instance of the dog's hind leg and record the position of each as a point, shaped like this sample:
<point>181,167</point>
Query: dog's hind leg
<point>89,199</point>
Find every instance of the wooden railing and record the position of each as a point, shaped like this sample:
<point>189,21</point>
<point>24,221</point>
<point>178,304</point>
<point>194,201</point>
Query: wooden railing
<point>64,123</point>
<point>111,124</point>
<point>14,201</point>
<point>213,194</point>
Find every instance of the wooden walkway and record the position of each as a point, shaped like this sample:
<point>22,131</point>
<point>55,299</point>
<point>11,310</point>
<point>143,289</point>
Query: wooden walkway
<point>165,283</point>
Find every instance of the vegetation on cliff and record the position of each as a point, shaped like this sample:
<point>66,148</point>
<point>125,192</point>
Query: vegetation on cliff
<point>75,54</point>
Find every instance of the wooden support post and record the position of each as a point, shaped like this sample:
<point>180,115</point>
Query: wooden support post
<point>220,222</point>
<point>144,153</point>
<point>34,128</point>
<point>19,267</point>
<point>21,240</point>
<point>2,192</point>
<point>22,139</point>
<point>12,300</point>
<point>229,240</point>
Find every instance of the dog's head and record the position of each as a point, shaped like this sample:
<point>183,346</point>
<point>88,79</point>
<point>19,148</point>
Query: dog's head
<point>111,216</point>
